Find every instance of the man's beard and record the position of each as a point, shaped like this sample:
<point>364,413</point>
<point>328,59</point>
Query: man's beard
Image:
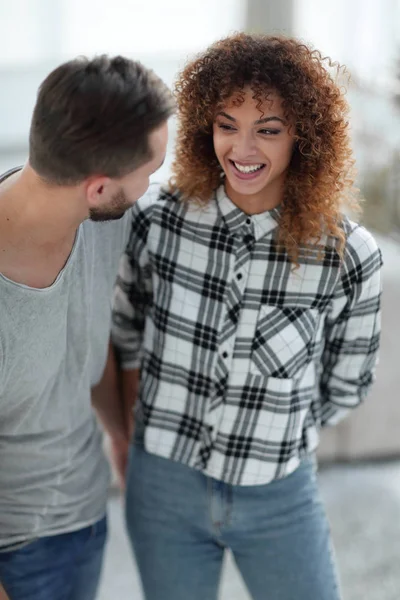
<point>118,206</point>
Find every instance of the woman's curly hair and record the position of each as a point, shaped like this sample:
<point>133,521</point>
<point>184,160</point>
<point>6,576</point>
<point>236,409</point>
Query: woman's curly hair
<point>320,179</point>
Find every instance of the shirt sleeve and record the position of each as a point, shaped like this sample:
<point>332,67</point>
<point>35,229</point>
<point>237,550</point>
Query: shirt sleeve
<point>133,290</point>
<point>352,329</point>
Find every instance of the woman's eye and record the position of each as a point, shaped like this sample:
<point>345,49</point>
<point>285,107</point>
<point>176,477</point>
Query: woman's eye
<point>269,131</point>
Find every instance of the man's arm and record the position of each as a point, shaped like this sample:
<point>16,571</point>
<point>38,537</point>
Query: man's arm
<point>108,404</point>
<point>107,401</point>
<point>129,391</point>
<point>115,396</point>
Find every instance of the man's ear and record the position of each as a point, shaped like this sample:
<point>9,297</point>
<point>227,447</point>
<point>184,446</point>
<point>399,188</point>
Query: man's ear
<point>96,189</point>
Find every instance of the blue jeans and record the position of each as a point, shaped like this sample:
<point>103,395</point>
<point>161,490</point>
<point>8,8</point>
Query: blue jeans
<point>59,567</point>
<point>180,523</point>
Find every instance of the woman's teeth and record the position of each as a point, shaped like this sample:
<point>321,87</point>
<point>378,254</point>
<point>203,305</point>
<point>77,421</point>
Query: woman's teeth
<point>248,168</point>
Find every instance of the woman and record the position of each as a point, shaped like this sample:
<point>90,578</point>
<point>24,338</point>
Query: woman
<point>250,304</point>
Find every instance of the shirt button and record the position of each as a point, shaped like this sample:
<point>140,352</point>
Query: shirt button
<point>248,239</point>
<point>224,355</point>
<point>248,221</point>
<point>239,276</point>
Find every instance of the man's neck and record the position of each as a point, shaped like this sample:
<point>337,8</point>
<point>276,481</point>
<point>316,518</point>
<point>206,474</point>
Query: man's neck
<point>36,214</point>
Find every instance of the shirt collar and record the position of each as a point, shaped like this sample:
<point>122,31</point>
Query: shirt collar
<point>239,222</point>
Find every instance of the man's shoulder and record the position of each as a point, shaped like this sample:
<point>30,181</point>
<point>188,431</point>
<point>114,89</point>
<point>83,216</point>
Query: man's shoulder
<point>106,234</point>
<point>8,173</point>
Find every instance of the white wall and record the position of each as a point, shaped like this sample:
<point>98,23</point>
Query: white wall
<point>37,35</point>
<point>363,34</point>
<point>35,31</point>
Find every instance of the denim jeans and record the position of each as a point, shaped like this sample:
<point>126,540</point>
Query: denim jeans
<point>59,567</point>
<point>180,523</point>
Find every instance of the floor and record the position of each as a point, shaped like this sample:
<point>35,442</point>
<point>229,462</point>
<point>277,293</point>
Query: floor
<point>363,504</point>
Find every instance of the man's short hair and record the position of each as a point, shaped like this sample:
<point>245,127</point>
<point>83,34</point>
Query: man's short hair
<point>94,117</point>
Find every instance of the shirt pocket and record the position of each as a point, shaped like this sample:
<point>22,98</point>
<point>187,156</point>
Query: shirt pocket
<point>284,341</point>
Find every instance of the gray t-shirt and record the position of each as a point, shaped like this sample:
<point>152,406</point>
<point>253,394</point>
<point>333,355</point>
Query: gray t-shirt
<point>53,347</point>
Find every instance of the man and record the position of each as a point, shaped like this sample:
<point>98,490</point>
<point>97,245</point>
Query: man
<point>99,129</point>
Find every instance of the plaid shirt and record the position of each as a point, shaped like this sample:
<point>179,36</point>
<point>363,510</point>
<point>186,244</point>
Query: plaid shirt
<point>242,357</point>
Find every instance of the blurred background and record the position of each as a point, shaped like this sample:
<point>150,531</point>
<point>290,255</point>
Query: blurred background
<point>359,459</point>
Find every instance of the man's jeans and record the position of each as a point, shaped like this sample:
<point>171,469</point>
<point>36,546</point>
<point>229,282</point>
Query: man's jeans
<point>59,567</point>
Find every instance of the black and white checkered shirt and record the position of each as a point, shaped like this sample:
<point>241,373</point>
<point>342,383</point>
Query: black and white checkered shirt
<point>243,358</point>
